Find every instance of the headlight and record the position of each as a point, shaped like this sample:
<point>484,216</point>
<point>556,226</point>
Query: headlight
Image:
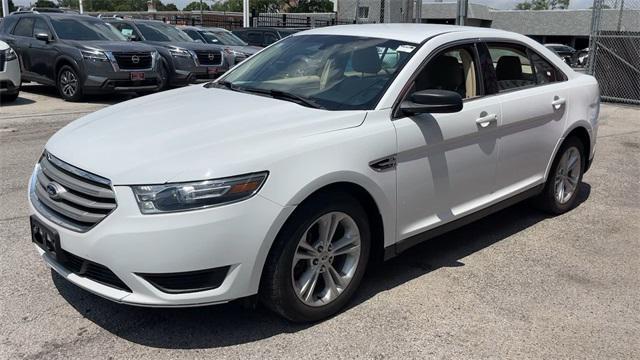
<point>178,52</point>
<point>94,55</point>
<point>9,54</point>
<point>154,199</point>
<point>233,52</point>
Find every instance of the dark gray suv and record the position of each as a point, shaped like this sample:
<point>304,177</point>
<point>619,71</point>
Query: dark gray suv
<point>79,54</point>
<point>184,60</point>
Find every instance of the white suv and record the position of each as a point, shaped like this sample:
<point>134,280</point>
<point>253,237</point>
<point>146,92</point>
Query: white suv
<point>9,73</point>
<point>338,146</point>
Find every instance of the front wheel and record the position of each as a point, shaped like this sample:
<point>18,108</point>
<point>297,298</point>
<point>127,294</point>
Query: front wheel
<point>560,193</point>
<point>68,84</point>
<point>318,260</point>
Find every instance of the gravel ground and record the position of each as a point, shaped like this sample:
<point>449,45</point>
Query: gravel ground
<point>517,284</point>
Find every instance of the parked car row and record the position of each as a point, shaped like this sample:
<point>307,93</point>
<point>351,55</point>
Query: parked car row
<point>81,54</point>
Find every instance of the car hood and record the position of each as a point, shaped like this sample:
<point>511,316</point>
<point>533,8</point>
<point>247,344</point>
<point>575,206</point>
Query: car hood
<point>192,133</point>
<point>110,46</point>
<point>247,49</point>
<point>186,45</point>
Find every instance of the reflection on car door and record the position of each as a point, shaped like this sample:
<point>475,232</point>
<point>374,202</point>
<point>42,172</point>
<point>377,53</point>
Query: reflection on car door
<point>533,99</point>
<point>446,163</point>
<point>42,54</point>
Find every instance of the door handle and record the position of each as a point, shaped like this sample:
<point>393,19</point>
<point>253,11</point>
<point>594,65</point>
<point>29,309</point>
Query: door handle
<point>485,120</point>
<point>558,102</point>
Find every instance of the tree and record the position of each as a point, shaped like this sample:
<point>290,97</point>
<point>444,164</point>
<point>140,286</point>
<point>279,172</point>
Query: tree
<point>310,6</point>
<point>167,7</point>
<point>195,5</point>
<point>543,5</point>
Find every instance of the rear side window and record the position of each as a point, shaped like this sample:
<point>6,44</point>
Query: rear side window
<point>24,27</point>
<point>512,66</point>
<point>270,38</point>
<point>545,72</point>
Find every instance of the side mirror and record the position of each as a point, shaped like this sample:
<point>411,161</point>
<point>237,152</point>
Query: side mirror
<point>432,101</point>
<point>43,37</point>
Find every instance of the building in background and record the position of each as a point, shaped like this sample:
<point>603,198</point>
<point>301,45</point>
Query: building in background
<point>570,27</point>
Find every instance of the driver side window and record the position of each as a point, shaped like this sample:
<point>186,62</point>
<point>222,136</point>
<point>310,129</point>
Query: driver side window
<point>454,70</point>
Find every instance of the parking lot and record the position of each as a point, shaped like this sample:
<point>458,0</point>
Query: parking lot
<point>518,284</point>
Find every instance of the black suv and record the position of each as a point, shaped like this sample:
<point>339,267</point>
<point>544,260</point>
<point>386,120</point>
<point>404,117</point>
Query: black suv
<point>184,60</point>
<point>79,54</point>
<point>264,36</point>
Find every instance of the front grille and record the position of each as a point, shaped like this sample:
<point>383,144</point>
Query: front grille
<point>133,60</point>
<point>209,57</point>
<point>92,271</point>
<point>71,197</point>
<point>190,281</point>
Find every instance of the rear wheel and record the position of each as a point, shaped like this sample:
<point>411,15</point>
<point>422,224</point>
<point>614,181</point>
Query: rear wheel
<point>68,84</point>
<point>563,183</point>
<point>318,260</point>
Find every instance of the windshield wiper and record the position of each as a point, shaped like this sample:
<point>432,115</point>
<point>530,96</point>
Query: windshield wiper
<point>283,95</point>
<point>221,84</point>
<point>301,99</point>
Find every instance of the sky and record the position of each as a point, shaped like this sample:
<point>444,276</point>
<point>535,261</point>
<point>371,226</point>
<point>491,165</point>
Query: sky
<point>498,4</point>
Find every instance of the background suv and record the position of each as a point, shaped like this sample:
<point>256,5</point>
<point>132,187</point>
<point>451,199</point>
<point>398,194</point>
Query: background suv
<point>79,54</point>
<point>264,36</point>
<point>184,60</point>
<point>9,73</point>
<point>235,49</point>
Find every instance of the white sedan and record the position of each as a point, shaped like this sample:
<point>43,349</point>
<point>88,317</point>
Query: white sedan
<point>338,147</point>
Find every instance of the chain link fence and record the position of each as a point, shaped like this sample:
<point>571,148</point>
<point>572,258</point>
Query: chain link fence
<point>614,49</point>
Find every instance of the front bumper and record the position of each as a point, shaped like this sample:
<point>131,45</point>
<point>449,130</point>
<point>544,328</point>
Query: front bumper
<point>10,77</point>
<point>103,78</point>
<point>129,244</point>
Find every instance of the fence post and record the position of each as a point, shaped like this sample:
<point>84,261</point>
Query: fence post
<point>284,20</point>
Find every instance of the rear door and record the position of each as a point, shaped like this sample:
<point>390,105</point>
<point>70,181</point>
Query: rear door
<point>21,40</point>
<point>534,110</point>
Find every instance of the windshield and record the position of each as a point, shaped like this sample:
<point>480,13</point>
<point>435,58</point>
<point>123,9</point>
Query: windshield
<point>222,38</point>
<point>85,29</point>
<point>335,72</point>
<point>157,31</point>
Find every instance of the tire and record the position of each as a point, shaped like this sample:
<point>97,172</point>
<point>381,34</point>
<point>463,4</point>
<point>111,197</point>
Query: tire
<point>281,289</point>
<point>559,177</point>
<point>163,73</point>
<point>10,97</point>
<point>69,84</point>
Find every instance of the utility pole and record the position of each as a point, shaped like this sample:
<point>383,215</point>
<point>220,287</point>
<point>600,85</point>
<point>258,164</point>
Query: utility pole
<point>418,14</point>
<point>461,17</point>
<point>81,9</point>
<point>5,7</point>
<point>245,13</point>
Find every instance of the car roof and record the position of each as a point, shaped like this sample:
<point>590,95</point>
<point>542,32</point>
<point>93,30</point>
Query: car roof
<point>415,33</point>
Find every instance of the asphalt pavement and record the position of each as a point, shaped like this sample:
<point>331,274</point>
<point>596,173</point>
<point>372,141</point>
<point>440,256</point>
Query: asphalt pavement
<point>518,284</point>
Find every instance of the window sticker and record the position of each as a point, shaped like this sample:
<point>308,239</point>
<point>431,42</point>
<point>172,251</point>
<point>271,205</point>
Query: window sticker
<point>405,48</point>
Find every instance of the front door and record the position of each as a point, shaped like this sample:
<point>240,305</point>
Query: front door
<point>446,163</point>
<point>42,53</point>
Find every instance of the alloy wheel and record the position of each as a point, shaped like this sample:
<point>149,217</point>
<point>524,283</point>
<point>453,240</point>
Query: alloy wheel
<point>68,83</point>
<point>326,259</point>
<point>567,175</point>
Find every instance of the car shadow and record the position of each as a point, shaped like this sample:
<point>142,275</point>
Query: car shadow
<point>106,99</point>
<point>209,326</point>
<point>17,102</point>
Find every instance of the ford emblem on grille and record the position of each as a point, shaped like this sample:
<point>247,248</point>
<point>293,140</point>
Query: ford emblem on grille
<point>211,56</point>
<point>55,190</point>
<point>135,59</point>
